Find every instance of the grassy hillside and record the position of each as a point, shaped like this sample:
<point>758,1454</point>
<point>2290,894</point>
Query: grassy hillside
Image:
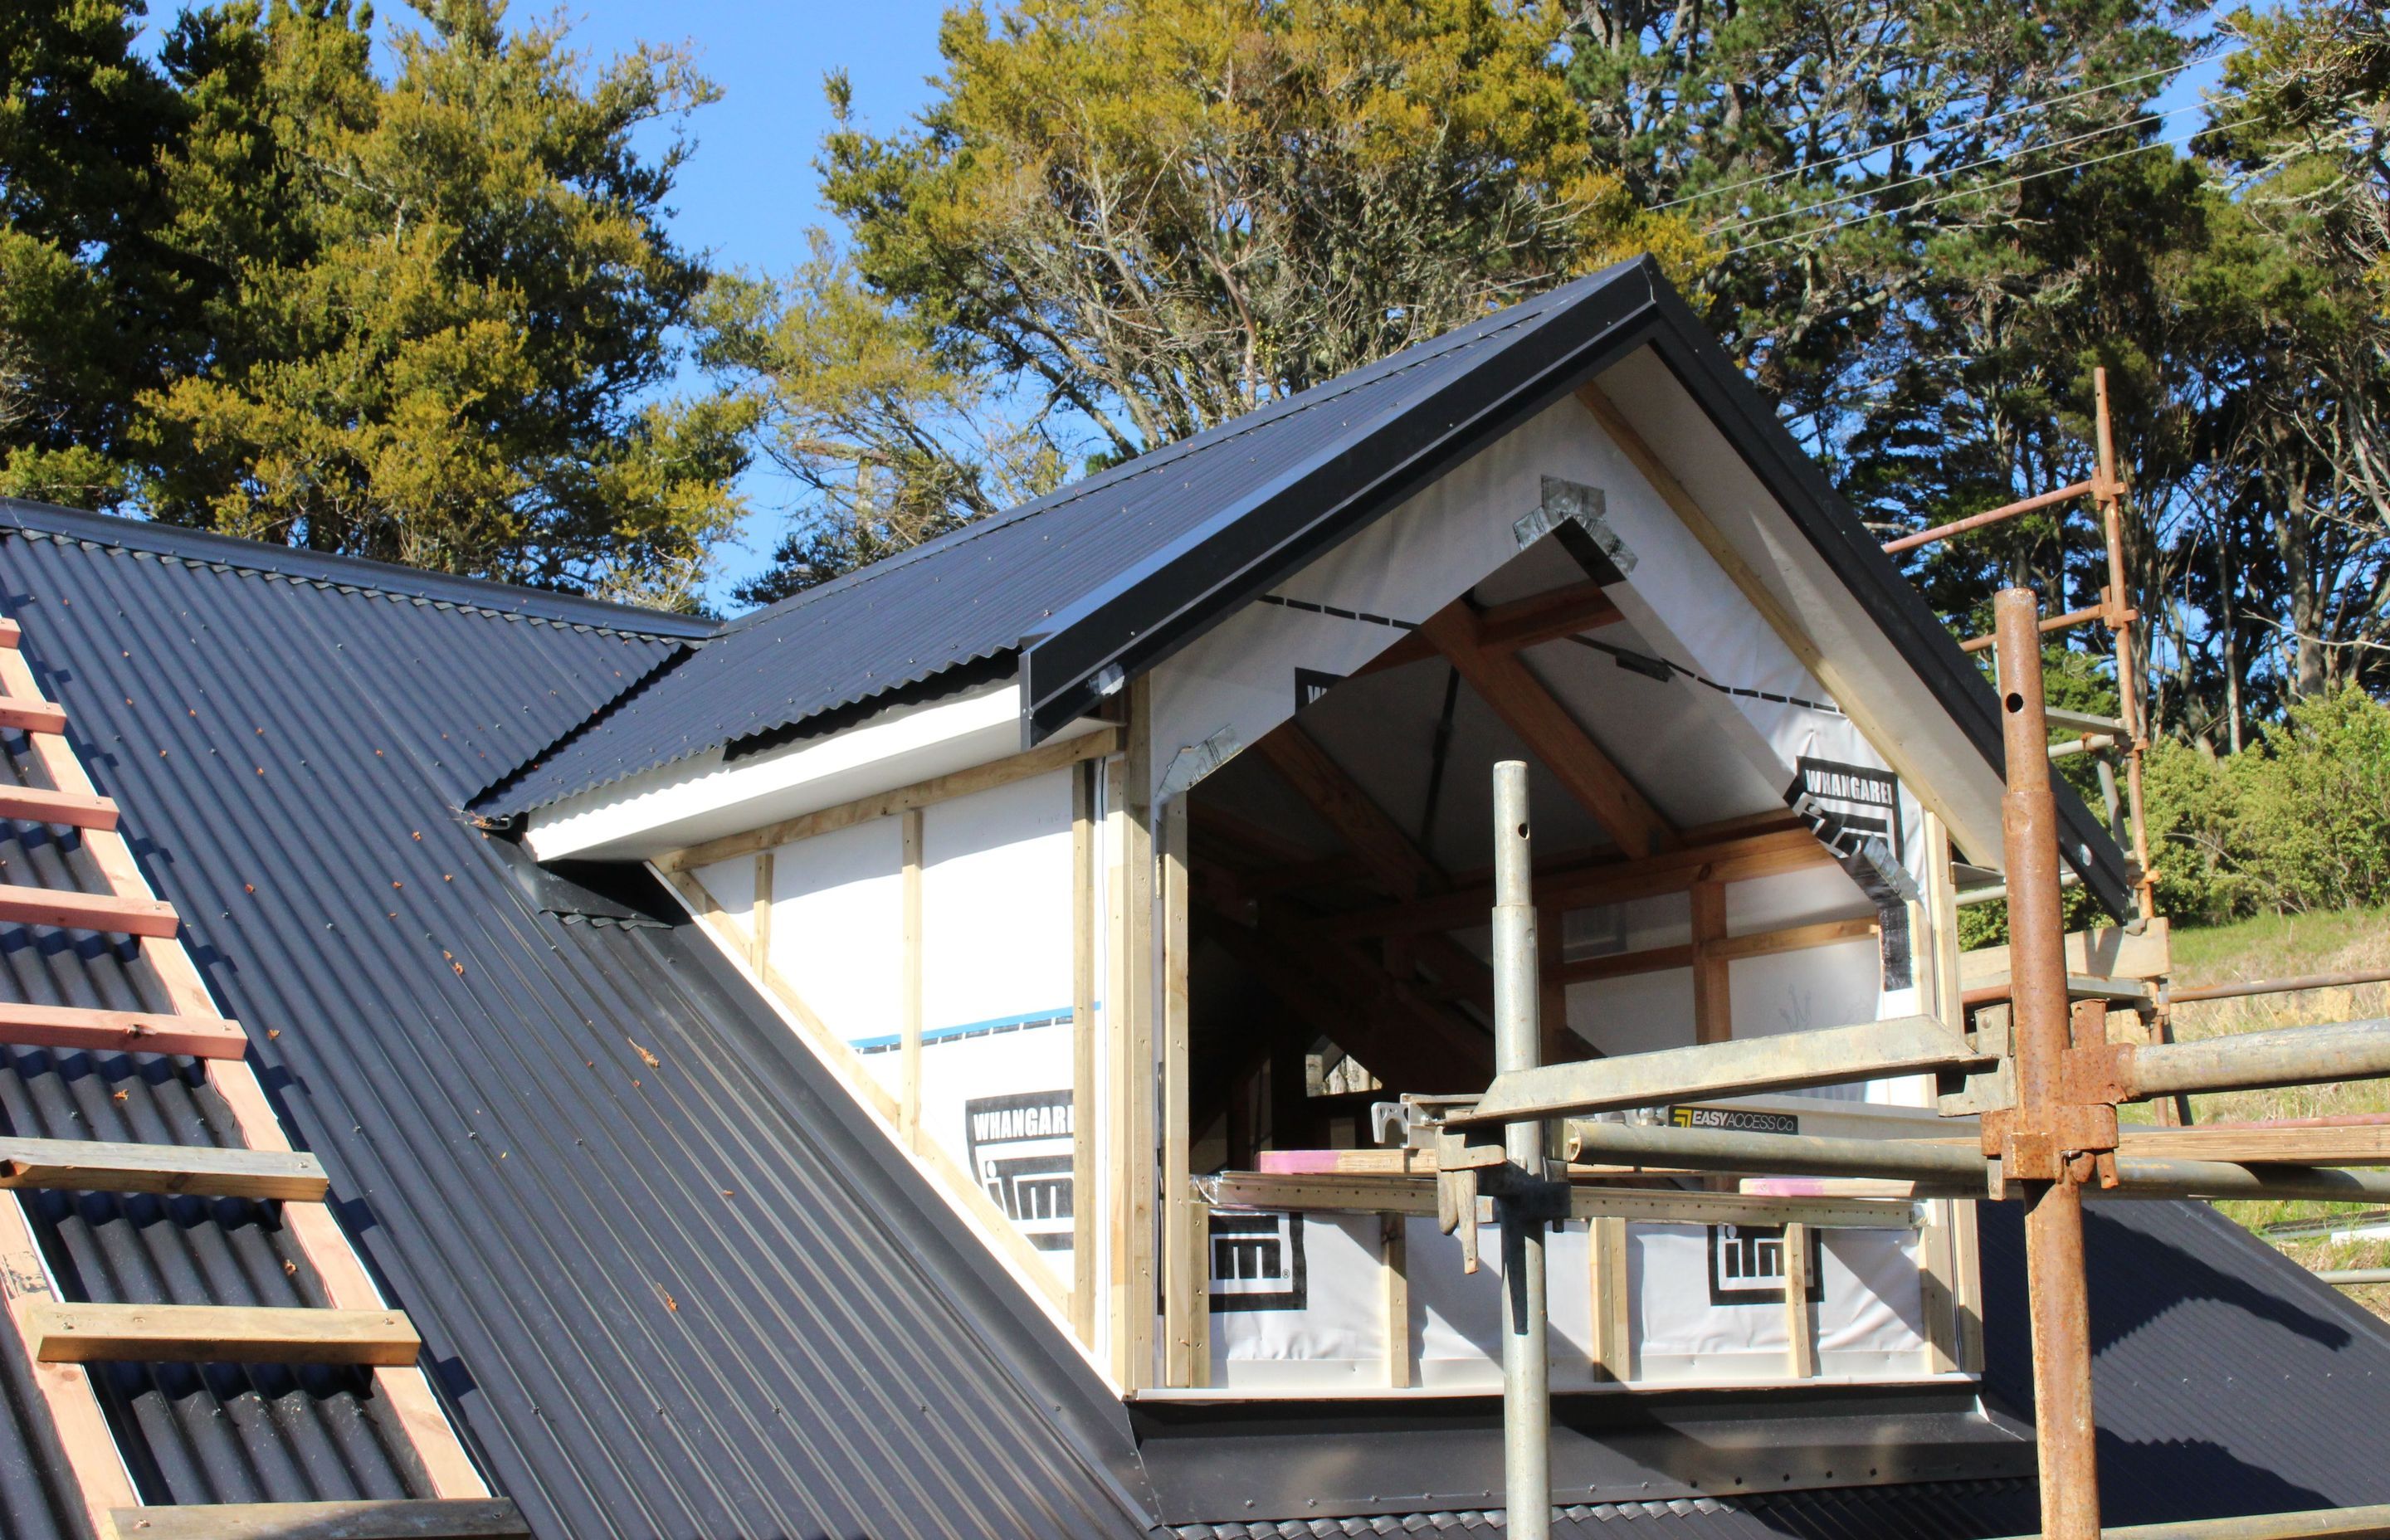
<point>2282,946</point>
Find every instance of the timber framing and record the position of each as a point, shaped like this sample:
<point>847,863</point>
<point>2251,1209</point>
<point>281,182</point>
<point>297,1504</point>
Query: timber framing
<point>62,1333</point>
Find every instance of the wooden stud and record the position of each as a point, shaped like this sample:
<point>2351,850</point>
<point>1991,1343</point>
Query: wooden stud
<point>1559,743</point>
<point>31,715</point>
<point>68,909</point>
<point>952,1181</point>
<point>10,632</point>
<point>1120,1082</point>
<point>35,804</point>
<point>1613,1329</point>
<point>447,1470</point>
<point>761,926</point>
<point>83,1333</point>
<point>397,1518</point>
<point>1712,999</point>
<point>86,1165</point>
<point>1937,1259</point>
<point>1139,1173</point>
<point>1053,754</point>
<point>1180,1286</point>
<point>1967,1286</point>
<point>1393,1251</point>
<point>1793,938</point>
<point>1621,965</point>
<point>76,1422</point>
<point>1800,1317</point>
<point>910,983</point>
<point>121,1031</point>
<point>1083,1054</point>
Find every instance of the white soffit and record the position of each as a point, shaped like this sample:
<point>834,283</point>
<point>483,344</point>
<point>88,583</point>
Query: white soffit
<point>1931,747</point>
<point>703,798</point>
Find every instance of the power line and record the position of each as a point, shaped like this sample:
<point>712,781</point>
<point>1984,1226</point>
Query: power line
<point>1952,171</point>
<point>1914,138</point>
<point>1970,192</point>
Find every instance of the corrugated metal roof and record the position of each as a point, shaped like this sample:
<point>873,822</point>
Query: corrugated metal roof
<point>980,591</point>
<point>673,1282</point>
<point>692,1296</point>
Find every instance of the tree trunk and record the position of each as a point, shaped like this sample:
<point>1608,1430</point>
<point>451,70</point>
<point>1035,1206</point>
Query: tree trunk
<point>2295,539</point>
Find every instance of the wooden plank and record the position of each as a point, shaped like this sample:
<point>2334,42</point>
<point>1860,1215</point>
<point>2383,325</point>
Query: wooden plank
<point>1053,754</point>
<point>10,633</point>
<point>1856,704</point>
<point>2107,953</point>
<point>31,715</point>
<point>1800,1317</point>
<point>1516,625</point>
<point>2352,1144</point>
<point>1713,1002</point>
<point>1621,965</point>
<point>1786,1061</point>
<point>35,804</point>
<point>1967,1285</point>
<point>122,1031</point>
<point>1546,616</point>
<point>76,1422</point>
<point>1613,1330</point>
<point>1564,749</point>
<point>71,910</point>
<point>1139,1171</point>
<point>909,986</point>
<point>760,928</point>
<point>88,1165</point>
<point>399,1519</point>
<point>1415,1196</point>
<point>1084,1290</point>
<point>1393,1258</point>
<point>1399,867</point>
<point>1937,1264</point>
<point>1118,1079</point>
<point>1793,938</point>
<point>1593,883</point>
<point>1180,1287</point>
<point>83,1333</point>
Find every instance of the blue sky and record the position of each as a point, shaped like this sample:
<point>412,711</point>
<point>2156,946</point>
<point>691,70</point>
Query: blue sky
<point>747,195</point>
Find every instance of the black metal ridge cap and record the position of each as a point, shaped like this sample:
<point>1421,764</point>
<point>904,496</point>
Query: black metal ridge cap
<point>1873,579</point>
<point>1147,613</point>
<point>265,559</point>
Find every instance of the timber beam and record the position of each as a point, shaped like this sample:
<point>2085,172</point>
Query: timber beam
<point>1564,749</point>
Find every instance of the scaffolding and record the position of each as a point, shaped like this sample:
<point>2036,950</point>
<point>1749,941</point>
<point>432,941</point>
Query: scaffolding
<point>2045,1084</point>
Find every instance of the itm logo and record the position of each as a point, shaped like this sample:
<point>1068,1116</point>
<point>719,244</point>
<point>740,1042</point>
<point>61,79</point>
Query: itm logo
<point>1020,1150</point>
<point>1747,1264</point>
<point>1257,1263</point>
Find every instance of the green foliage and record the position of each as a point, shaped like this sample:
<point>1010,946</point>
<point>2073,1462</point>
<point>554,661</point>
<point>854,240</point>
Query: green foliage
<point>2300,823</point>
<point>1125,220</point>
<point>426,319</point>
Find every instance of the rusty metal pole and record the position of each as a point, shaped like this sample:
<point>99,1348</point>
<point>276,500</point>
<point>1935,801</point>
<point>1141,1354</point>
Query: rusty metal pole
<point>2116,599</point>
<point>2032,1145</point>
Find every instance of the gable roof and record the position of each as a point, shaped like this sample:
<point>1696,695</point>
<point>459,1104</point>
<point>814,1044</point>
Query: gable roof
<point>703,1295</point>
<point>1109,577</point>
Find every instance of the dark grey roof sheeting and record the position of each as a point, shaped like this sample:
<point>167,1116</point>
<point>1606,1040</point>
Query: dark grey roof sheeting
<point>694,1296</point>
<point>980,591</point>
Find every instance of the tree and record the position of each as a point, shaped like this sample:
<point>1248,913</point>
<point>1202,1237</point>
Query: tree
<point>449,302</point>
<point>1125,221</point>
<point>94,307</point>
